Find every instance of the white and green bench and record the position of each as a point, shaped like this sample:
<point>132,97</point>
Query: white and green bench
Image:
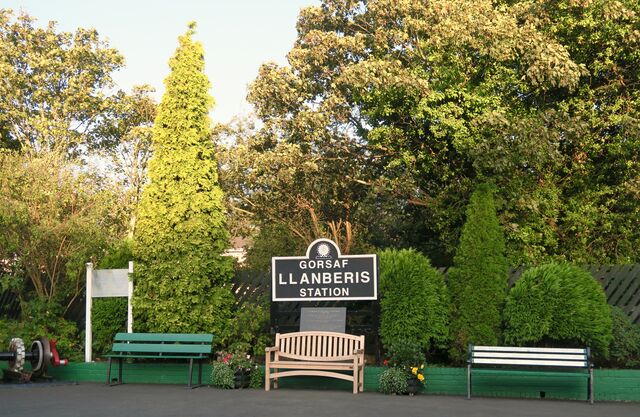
<point>172,346</point>
<point>559,361</point>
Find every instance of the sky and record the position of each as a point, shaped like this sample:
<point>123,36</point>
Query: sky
<point>237,35</point>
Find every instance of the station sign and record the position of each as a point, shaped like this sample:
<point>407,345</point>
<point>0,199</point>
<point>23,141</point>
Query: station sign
<point>324,274</point>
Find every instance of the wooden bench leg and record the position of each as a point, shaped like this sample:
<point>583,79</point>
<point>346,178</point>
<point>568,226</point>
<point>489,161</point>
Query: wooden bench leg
<point>356,374</point>
<point>109,372</point>
<point>468,381</point>
<point>190,373</point>
<point>591,393</point>
<point>120,371</point>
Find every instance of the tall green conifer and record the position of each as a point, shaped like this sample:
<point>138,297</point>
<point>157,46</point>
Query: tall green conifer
<point>180,274</point>
<point>479,279</point>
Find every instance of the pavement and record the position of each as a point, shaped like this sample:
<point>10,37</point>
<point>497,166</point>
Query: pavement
<point>138,400</point>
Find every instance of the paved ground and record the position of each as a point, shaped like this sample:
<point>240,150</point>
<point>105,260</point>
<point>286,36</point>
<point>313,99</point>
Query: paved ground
<point>96,400</point>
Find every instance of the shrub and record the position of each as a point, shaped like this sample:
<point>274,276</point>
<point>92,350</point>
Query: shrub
<point>558,304</point>
<point>624,350</point>
<point>222,376</point>
<point>393,381</point>
<point>405,354</point>
<point>479,277</point>
<point>256,378</point>
<point>414,301</point>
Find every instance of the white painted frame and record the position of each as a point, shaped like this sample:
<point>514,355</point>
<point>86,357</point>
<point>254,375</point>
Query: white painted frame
<point>119,292</point>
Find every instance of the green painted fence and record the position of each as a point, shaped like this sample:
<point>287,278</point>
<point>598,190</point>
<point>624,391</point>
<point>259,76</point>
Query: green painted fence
<point>610,385</point>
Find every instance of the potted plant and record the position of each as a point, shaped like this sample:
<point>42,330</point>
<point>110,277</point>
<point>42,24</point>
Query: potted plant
<point>406,369</point>
<point>241,365</point>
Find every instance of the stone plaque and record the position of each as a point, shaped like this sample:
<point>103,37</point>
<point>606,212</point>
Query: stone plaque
<point>328,319</point>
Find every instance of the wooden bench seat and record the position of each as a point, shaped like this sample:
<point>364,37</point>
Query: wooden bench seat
<point>570,362</point>
<point>193,347</point>
<point>315,353</point>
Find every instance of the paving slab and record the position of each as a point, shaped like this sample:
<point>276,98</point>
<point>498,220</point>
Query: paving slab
<point>138,400</point>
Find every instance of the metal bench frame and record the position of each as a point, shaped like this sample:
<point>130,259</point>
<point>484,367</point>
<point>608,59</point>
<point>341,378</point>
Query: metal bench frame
<point>566,358</point>
<point>194,347</point>
<point>316,353</point>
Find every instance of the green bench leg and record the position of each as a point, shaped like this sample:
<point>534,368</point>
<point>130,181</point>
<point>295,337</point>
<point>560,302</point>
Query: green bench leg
<point>468,381</point>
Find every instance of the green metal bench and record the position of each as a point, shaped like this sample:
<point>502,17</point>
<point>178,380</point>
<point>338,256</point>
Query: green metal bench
<point>571,362</point>
<point>194,347</point>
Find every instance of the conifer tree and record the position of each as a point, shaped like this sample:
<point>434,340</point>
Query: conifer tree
<point>180,273</point>
<point>478,280</point>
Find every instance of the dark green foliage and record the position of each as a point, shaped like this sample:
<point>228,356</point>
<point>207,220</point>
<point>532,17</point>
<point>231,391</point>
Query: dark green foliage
<point>404,354</point>
<point>559,305</point>
<point>249,327</point>
<point>393,381</point>
<point>273,240</point>
<point>257,377</point>
<point>624,350</point>
<point>414,301</point>
<point>478,280</point>
<point>180,277</point>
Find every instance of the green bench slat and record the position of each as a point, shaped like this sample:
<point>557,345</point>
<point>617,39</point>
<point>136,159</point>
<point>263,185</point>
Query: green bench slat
<point>155,356</point>
<point>164,337</point>
<point>160,348</point>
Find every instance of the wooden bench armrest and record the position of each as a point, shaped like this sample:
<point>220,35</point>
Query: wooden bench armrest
<point>271,349</point>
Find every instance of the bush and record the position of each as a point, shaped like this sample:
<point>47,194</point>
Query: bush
<point>479,277</point>
<point>561,305</point>
<point>256,378</point>
<point>222,376</point>
<point>414,301</point>
<point>393,381</point>
<point>405,354</point>
<point>624,350</point>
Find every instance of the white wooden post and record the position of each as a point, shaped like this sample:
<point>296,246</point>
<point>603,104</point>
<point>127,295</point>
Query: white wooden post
<point>129,297</point>
<point>88,340</point>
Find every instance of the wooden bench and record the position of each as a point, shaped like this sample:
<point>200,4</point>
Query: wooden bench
<point>160,346</point>
<point>570,361</point>
<point>315,353</point>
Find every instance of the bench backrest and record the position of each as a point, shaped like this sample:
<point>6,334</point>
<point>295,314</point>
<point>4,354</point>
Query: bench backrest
<point>319,346</point>
<point>174,344</point>
<point>529,356</point>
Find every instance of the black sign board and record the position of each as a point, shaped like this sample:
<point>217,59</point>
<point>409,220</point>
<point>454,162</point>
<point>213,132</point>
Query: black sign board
<point>326,319</point>
<point>324,274</point>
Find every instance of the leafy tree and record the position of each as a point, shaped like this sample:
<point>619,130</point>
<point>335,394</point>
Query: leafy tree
<point>126,144</point>
<point>414,301</point>
<point>52,97</point>
<point>559,304</point>
<point>180,234</point>
<point>478,280</point>
<point>541,97</point>
<point>53,219</point>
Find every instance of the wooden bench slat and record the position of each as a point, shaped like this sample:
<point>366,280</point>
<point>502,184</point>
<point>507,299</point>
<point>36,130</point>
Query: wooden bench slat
<point>529,362</point>
<point>526,349</point>
<point>164,337</point>
<point>137,356</point>
<point>158,348</point>
<point>533,356</point>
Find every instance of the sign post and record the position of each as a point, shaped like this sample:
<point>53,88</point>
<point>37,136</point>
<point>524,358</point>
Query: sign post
<point>106,283</point>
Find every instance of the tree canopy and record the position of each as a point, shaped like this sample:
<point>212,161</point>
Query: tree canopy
<point>425,98</point>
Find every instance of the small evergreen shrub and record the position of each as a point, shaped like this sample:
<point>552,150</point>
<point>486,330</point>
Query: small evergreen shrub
<point>479,277</point>
<point>256,378</point>
<point>222,376</point>
<point>624,350</point>
<point>405,354</point>
<point>393,381</point>
<point>561,305</point>
<point>414,301</point>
